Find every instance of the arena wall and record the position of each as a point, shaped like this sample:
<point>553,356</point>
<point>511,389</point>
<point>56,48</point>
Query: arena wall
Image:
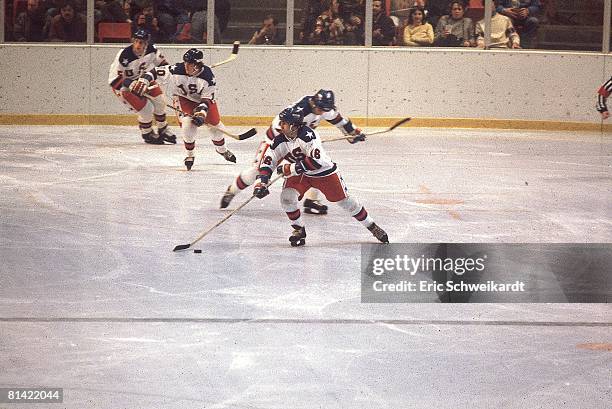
<point>438,87</point>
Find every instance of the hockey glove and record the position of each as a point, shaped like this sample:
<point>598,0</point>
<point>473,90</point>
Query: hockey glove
<point>261,190</point>
<point>198,120</point>
<point>139,87</point>
<point>290,169</point>
<point>358,136</point>
<point>199,114</point>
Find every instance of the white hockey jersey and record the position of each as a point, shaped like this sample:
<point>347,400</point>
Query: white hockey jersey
<point>178,83</point>
<point>311,119</point>
<point>305,148</point>
<point>127,65</point>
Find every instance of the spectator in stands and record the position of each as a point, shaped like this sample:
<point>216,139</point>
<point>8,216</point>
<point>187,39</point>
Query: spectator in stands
<point>199,24</point>
<point>68,25</point>
<point>268,33</point>
<point>30,24</point>
<point>146,20</point>
<point>523,16</point>
<point>455,30</point>
<point>503,34</point>
<point>170,15</point>
<point>110,11</point>
<point>312,10</point>
<point>432,9</point>
<point>417,33</point>
<point>352,13</point>
<point>383,28</point>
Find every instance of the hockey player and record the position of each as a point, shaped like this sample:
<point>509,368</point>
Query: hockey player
<point>309,167</point>
<point>314,107</point>
<point>129,64</point>
<point>602,97</point>
<point>192,85</point>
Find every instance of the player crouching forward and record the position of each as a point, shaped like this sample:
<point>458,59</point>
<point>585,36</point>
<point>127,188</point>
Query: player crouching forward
<point>129,64</point>
<point>193,85</point>
<point>309,167</point>
<point>314,108</point>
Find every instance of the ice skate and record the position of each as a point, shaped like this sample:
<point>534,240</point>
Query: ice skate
<point>228,156</point>
<point>227,198</point>
<point>152,138</point>
<point>167,135</point>
<point>298,237</point>
<point>379,233</point>
<point>189,162</point>
<point>314,207</point>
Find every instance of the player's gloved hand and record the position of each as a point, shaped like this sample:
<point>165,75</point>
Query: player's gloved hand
<point>260,190</point>
<point>358,136</point>
<point>199,114</point>
<point>198,119</point>
<point>290,169</point>
<point>139,87</point>
<point>261,187</point>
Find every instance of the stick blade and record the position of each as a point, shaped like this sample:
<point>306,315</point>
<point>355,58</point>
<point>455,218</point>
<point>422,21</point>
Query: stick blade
<point>400,123</point>
<point>248,134</point>
<point>236,46</point>
<point>181,247</point>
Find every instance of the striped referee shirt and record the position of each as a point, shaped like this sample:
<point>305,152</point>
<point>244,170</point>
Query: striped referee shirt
<point>603,94</point>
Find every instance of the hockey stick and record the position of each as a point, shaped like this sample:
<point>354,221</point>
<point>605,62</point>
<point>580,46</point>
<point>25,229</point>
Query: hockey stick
<point>392,127</point>
<point>181,247</point>
<point>231,58</point>
<point>240,137</point>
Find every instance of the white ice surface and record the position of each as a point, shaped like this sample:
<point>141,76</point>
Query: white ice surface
<point>92,298</point>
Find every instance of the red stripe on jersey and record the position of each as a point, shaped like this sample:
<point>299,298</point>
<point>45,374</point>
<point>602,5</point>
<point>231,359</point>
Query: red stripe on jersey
<point>361,215</point>
<point>270,134</point>
<point>240,183</point>
<point>603,92</point>
<point>294,215</point>
<point>311,164</point>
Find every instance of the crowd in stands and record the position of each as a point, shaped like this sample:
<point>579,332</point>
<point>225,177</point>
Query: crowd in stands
<point>418,23</point>
<point>413,23</point>
<point>168,21</point>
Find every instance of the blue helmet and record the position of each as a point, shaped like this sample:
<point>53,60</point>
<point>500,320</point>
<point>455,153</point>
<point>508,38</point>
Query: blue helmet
<point>292,116</point>
<point>324,99</point>
<point>194,56</point>
<point>141,34</point>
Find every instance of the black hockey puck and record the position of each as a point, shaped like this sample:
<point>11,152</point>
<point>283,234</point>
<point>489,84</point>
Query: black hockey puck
<point>197,251</point>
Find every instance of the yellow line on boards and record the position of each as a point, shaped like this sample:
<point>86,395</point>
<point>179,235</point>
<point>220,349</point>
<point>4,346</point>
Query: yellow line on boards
<point>474,123</point>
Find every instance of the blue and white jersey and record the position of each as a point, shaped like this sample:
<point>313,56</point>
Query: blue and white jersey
<point>178,83</point>
<point>305,148</point>
<point>128,65</point>
<point>311,119</point>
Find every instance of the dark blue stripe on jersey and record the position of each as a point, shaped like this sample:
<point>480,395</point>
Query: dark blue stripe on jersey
<point>116,82</point>
<point>304,103</point>
<point>324,173</point>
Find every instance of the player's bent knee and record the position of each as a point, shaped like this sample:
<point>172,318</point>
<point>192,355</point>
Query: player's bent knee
<point>289,199</point>
<point>350,205</point>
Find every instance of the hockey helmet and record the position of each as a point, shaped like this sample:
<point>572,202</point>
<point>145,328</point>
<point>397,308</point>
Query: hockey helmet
<point>293,117</point>
<point>324,99</point>
<point>194,56</point>
<point>141,34</point>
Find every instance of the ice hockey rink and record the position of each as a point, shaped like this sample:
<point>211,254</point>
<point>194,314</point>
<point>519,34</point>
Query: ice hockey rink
<point>93,300</point>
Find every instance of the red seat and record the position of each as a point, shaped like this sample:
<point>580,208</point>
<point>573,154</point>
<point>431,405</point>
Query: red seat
<point>114,31</point>
<point>475,10</point>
